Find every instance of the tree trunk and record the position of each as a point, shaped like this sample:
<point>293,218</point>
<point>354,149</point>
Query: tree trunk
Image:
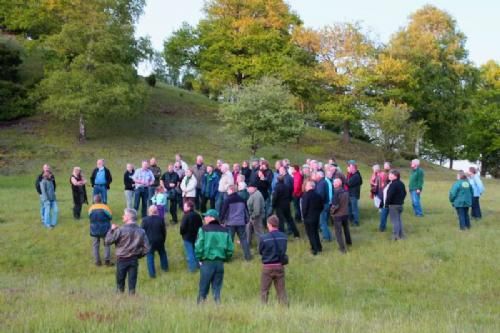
<point>346,138</point>
<point>83,131</point>
<point>451,163</point>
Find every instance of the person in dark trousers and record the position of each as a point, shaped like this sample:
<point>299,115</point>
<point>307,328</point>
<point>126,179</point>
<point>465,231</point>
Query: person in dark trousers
<point>190,224</point>
<point>311,208</point>
<point>156,171</point>
<point>246,171</point>
<point>101,180</point>
<point>100,216</point>
<point>79,192</point>
<point>170,181</point>
<point>131,243</point>
<point>143,179</point>
<point>394,198</point>
<point>272,248</point>
<point>38,180</point>
<point>340,215</point>
<point>281,200</point>
<point>234,215</point>
<point>209,188</point>
<point>354,182</point>
<point>213,246</point>
<point>323,189</point>
<point>461,194</point>
<point>156,231</point>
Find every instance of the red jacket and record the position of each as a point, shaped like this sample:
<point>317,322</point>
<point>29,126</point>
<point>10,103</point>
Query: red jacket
<point>297,184</point>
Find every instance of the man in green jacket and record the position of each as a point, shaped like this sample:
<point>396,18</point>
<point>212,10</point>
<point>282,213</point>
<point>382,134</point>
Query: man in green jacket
<point>213,246</point>
<point>416,185</point>
<point>461,198</point>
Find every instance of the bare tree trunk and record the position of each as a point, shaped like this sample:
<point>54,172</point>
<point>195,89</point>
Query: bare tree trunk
<point>346,138</point>
<point>83,131</point>
<point>451,163</point>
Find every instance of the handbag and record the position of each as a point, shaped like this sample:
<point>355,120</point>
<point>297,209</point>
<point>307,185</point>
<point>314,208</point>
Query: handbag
<point>283,257</point>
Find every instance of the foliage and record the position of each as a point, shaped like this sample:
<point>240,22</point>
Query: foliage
<point>345,56</point>
<point>151,80</point>
<point>483,128</point>
<point>263,113</point>
<point>390,127</point>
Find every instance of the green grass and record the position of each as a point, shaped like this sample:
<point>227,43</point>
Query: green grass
<point>438,280</point>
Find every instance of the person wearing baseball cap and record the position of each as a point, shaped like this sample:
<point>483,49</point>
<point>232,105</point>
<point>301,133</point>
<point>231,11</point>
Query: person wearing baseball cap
<point>213,246</point>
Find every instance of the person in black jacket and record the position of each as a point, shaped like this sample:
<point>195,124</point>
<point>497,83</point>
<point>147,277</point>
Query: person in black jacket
<point>38,180</point>
<point>170,181</point>
<point>282,197</point>
<point>156,231</point>
<point>394,197</point>
<point>354,182</point>
<point>190,224</point>
<point>311,205</point>
<point>129,185</point>
<point>100,180</point>
<point>246,171</point>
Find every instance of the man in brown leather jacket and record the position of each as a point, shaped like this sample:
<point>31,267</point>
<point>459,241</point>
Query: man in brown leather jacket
<point>340,214</point>
<point>131,244</point>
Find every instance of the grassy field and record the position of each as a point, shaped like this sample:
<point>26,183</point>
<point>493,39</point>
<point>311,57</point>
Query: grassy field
<point>438,280</point>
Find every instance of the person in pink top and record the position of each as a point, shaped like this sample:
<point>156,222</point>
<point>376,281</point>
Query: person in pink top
<point>298,180</point>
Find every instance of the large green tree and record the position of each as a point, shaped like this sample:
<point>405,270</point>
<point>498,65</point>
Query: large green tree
<point>262,113</point>
<point>483,128</point>
<point>437,79</point>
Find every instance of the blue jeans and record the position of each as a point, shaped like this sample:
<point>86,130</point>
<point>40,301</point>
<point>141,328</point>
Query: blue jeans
<point>354,210</point>
<point>415,201</point>
<point>463,217</point>
<point>102,191</point>
<point>151,260</point>
<point>211,274</point>
<point>190,257</point>
<point>41,210</point>
<point>384,212</point>
<point>141,193</point>
<point>323,223</point>
<point>50,213</point>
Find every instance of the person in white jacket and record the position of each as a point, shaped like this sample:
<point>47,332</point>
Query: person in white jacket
<point>188,187</point>
<point>225,181</point>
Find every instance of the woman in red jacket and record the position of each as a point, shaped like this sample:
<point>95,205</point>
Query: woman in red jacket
<point>297,192</point>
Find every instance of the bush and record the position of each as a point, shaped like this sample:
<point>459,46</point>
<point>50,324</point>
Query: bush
<point>151,80</point>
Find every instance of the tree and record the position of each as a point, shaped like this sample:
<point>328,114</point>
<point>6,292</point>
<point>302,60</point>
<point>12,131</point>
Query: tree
<point>440,79</point>
<point>91,71</point>
<point>180,52</point>
<point>483,128</point>
<point>390,127</point>
<point>263,113</point>
<point>345,56</point>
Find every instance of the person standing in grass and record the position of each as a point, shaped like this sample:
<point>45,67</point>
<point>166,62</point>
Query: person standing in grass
<point>416,185</point>
<point>101,179</point>
<point>461,194</point>
<point>281,199</point>
<point>354,182</point>
<point>188,187</point>
<point>272,248</point>
<point>131,243</point>
<point>100,216</point>
<point>311,207</point>
<point>48,197</point>
<point>256,211</point>
<point>199,170</point>
<point>156,232</point>
<point>384,211</point>
<point>190,224</point>
<point>323,189</point>
<point>209,188</point>
<point>170,181</point>
<point>78,182</point>
<point>128,181</point>
<point>297,191</point>
<point>394,198</point>
<point>477,189</point>
<point>340,215</point>
<point>226,179</point>
<point>143,179</point>
<point>156,171</point>
<point>234,216</point>
<point>213,246</point>
<point>246,171</point>
<point>39,179</point>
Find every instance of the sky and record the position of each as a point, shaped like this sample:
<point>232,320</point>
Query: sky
<point>479,20</point>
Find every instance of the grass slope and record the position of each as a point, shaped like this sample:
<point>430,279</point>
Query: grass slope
<point>438,280</point>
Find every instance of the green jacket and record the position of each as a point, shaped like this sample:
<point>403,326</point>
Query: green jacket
<point>416,179</point>
<point>213,243</point>
<point>461,194</point>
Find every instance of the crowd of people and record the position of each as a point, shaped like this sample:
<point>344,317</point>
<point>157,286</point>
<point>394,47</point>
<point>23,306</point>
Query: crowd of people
<point>247,200</point>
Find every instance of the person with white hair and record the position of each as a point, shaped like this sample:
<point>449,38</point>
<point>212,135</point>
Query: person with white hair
<point>100,180</point>
<point>416,185</point>
<point>225,181</point>
<point>78,190</point>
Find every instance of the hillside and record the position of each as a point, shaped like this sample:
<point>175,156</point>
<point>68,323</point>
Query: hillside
<point>438,280</point>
